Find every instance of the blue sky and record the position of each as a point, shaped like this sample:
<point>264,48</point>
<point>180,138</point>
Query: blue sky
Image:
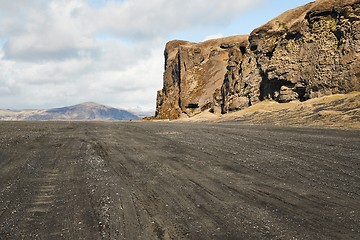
<point>57,53</point>
<point>245,22</point>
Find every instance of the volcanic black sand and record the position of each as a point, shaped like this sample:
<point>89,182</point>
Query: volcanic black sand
<point>164,180</point>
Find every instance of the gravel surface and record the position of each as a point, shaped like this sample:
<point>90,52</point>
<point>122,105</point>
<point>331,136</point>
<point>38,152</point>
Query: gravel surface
<point>165,180</point>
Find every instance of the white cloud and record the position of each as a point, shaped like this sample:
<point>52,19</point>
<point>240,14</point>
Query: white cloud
<point>59,52</point>
<point>214,36</point>
<point>145,19</point>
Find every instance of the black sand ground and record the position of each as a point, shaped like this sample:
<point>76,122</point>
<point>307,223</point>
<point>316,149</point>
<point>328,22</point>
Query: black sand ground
<point>85,180</point>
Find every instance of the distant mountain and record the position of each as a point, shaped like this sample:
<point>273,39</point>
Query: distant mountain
<point>85,111</point>
<point>143,114</point>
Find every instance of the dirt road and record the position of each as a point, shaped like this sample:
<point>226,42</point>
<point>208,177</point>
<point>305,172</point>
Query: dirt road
<point>144,180</point>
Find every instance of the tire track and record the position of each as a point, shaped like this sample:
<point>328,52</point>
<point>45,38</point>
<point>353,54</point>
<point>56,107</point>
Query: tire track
<point>115,180</point>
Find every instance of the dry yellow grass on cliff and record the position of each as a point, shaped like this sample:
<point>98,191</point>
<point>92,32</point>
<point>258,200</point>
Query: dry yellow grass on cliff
<point>339,111</point>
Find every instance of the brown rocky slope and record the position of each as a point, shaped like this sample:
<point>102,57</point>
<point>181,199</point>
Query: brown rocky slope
<point>305,53</point>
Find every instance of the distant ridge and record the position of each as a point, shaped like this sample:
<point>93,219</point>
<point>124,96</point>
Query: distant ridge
<point>88,111</point>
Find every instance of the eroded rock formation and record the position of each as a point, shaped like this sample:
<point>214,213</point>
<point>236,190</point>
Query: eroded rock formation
<point>193,73</point>
<point>307,52</point>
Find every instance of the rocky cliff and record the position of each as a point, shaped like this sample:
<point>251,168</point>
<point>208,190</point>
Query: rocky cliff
<point>193,73</point>
<point>305,53</point>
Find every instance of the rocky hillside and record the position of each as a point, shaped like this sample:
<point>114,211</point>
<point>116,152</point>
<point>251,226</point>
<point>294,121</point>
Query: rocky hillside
<point>84,111</point>
<point>332,111</point>
<point>305,53</point>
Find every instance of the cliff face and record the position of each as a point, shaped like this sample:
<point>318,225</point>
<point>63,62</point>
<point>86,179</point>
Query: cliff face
<point>193,73</point>
<point>305,53</point>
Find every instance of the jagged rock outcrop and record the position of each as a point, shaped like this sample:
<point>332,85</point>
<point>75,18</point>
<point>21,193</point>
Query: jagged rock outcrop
<point>193,72</point>
<point>307,52</point>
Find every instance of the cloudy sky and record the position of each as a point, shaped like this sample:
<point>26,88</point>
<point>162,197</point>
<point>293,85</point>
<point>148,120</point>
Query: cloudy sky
<point>56,53</point>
